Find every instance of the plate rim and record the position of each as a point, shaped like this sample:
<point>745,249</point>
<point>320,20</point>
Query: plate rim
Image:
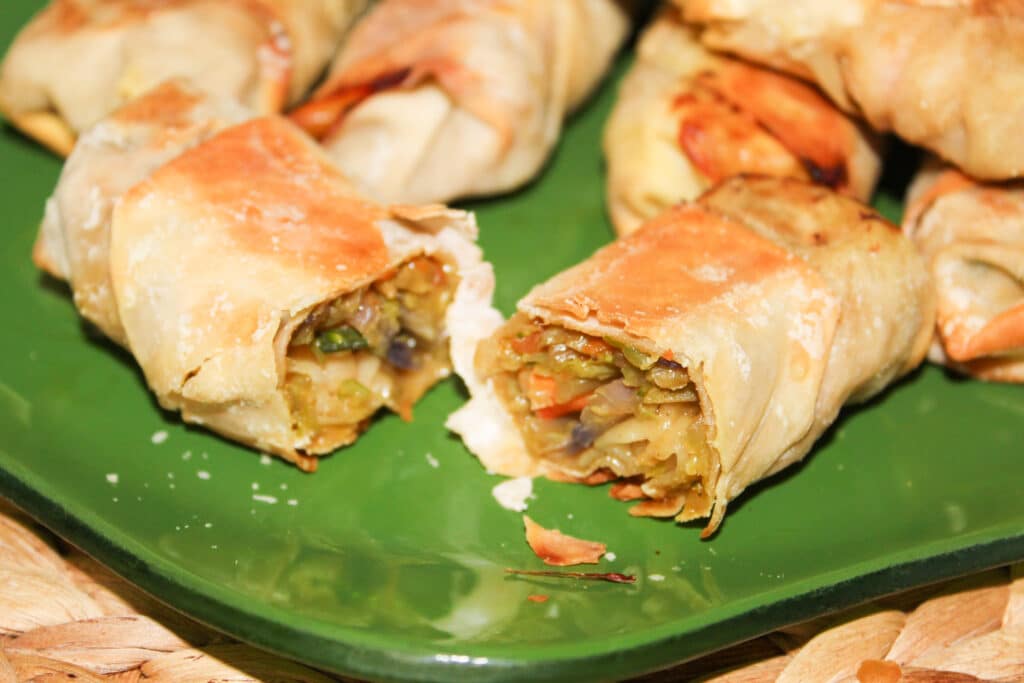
<point>976,553</point>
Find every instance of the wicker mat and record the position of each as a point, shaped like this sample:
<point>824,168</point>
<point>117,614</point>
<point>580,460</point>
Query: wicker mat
<point>63,617</point>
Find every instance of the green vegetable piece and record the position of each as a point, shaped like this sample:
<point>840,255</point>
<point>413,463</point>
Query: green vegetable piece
<point>354,389</point>
<point>344,338</point>
<point>638,358</point>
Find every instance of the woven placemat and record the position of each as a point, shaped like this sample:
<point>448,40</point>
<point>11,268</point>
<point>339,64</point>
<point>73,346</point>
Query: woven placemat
<point>66,618</point>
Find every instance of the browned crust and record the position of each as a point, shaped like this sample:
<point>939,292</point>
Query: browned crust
<point>63,18</point>
<point>558,549</point>
<point>401,46</point>
<point>1002,333</point>
<point>283,171</point>
<point>662,267</point>
<point>796,114</point>
<point>46,128</point>
<point>666,507</point>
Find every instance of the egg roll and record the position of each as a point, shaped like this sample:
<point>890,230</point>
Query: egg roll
<point>78,60</point>
<point>430,100</point>
<point>266,300</point>
<point>687,118</point>
<point>703,352</point>
<point>971,235</point>
<point>110,158</point>
<point>945,75</point>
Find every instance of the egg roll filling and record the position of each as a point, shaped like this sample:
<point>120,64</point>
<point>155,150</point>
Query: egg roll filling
<point>585,404</point>
<point>382,345</point>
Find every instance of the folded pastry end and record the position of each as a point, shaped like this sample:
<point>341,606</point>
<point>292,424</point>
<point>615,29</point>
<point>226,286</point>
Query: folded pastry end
<point>46,128</point>
<point>972,237</point>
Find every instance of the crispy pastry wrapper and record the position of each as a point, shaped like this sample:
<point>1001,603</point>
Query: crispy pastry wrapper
<point>78,60</point>
<point>944,75</point>
<point>687,118</point>
<point>116,154</point>
<point>428,100</point>
<point>218,256</point>
<point>782,300</point>
<point>971,235</point>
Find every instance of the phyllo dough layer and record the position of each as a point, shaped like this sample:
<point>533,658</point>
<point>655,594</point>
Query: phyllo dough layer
<point>947,75</point>
<point>687,118</point>
<point>265,299</point>
<point>972,237</point>
<point>704,352</point>
<point>430,100</point>
<point>78,60</point>
<point>110,158</point>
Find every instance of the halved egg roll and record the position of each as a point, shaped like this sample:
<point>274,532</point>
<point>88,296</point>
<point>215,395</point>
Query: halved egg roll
<point>430,100</point>
<point>266,300</point>
<point>705,351</point>
<point>78,60</point>
<point>687,118</point>
<point>947,75</point>
<point>972,237</point>
<point>119,152</point>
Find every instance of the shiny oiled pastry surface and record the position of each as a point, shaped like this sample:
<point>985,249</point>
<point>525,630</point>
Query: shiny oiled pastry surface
<point>687,117</point>
<point>944,75</point>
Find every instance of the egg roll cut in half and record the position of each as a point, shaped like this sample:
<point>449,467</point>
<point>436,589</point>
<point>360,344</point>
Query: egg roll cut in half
<point>120,151</point>
<point>943,74</point>
<point>78,60</point>
<point>705,351</point>
<point>971,235</point>
<point>430,100</point>
<point>265,299</point>
<point>687,118</point>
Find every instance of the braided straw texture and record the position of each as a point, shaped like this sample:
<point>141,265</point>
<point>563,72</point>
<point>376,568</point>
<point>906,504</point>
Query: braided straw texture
<point>66,619</point>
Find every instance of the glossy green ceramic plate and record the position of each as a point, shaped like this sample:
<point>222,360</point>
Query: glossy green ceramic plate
<point>389,562</point>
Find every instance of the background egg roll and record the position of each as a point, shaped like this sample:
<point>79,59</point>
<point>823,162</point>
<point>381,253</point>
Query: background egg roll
<point>430,100</point>
<point>78,60</point>
<point>972,237</point>
<point>948,76</point>
<point>687,118</point>
<point>705,351</point>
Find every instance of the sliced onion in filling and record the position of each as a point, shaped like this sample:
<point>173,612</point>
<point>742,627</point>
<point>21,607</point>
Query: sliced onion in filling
<point>383,345</point>
<point>586,404</point>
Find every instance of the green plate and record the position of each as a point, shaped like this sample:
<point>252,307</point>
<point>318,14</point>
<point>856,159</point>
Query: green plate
<point>389,562</point>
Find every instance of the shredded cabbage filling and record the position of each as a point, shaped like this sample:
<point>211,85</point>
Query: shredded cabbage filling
<point>586,404</point>
<point>380,346</point>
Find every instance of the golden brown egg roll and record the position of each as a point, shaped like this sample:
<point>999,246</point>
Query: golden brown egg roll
<point>78,60</point>
<point>687,118</point>
<point>945,75</point>
<point>705,351</point>
<point>972,237</point>
<point>430,100</point>
<point>109,159</point>
<point>261,295</point>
